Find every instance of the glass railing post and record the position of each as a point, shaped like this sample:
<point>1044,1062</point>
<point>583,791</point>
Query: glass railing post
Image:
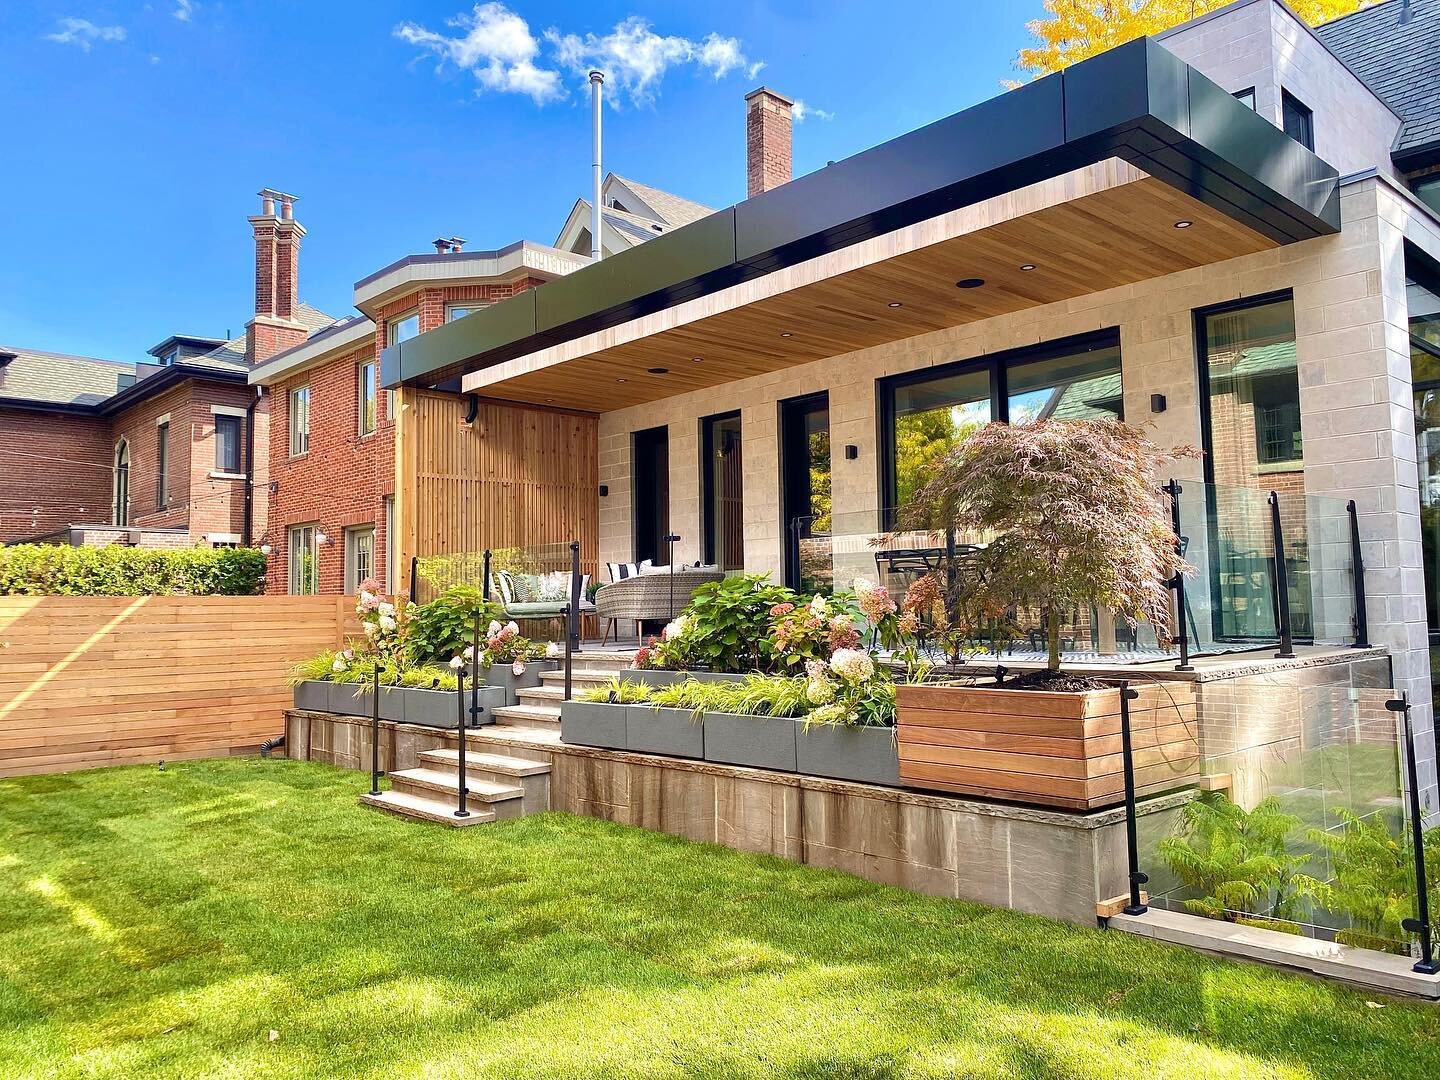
<point>463,809</point>
<point>1182,639</point>
<point>1281,592</point>
<point>1132,827</point>
<point>572,628</point>
<point>1357,566</point>
<point>1420,925</point>
<point>375,733</point>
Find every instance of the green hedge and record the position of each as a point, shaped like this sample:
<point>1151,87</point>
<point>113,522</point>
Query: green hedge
<point>59,570</point>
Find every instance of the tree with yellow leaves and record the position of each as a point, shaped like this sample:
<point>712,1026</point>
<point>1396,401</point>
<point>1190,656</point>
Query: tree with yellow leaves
<point>1076,29</point>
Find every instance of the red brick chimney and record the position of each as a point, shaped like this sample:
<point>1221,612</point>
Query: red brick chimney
<point>277,270</point>
<point>767,140</point>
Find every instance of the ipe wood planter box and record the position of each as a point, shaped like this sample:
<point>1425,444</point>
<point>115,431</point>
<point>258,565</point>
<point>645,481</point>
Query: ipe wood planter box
<point>1042,748</point>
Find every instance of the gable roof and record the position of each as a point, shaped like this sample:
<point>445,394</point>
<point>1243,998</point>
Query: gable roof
<point>47,378</point>
<point>1401,63</point>
<point>669,209</point>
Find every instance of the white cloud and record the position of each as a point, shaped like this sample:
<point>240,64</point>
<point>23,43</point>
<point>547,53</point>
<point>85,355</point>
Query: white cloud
<point>498,47</point>
<point>800,111</point>
<point>83,34</point>
<point>185,9</point>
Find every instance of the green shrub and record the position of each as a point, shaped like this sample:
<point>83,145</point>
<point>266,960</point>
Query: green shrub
<point>727,625</point>
<point>59,570</point>
<point>619,692</point>
<point>443,628</point>
<point>755,695</point>
<point>1374,878</point>
<point>1237,860</point>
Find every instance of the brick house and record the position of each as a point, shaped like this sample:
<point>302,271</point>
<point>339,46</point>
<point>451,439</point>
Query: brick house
<point>166,453</point>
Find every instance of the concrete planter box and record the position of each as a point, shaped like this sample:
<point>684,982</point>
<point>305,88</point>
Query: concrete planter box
<point>715,676</point>
<point>676,732</point>
<point>350,699</point>
<point>867,755</point>
<point>437,708</point>
<point>763,742</point>
<point>593,723</point>
<point>503,676</point>
<point>652,677</point>
<point>313,695</point>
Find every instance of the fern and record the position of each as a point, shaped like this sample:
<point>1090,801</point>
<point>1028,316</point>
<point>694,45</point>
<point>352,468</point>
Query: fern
<point>1374,879</point>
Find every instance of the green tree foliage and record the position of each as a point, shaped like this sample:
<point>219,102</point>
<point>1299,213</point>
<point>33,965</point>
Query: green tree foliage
<point>1374,878</point>
<point>59,570</point>
<point>1237,860</point>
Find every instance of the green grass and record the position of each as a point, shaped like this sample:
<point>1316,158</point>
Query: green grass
<point>165,923</point>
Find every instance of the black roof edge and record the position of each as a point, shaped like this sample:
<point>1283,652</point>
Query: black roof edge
<point>73,408</point>
<point>166,379</point>
<point>1138,102</point>
<point>184,339</point>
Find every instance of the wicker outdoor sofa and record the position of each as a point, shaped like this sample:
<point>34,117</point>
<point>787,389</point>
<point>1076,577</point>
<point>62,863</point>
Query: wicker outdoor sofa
<point>647,598</point>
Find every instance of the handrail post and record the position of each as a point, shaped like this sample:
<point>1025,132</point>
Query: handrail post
<point>414,578</point>
<point>462,781</point>
<point>1420,925</point>
<point>1132,833</point>
<point>485,583</point>
<point>1281,593</point>
<point>1357,569</point>
<point>572,639</point>
<point>1182,639</point>
<point>375,733</point>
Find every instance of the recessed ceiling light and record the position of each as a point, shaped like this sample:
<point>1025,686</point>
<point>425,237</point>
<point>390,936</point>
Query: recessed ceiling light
<point>969,283</point>
<point>658,370</point>
<point>621,380</point>
<point>1183,224</point>
<point>1027,267</point>
<point>895,303</point>
<point>697,359</point>
<point>786,333</point>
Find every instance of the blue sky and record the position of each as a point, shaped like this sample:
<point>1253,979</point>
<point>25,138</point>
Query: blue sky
<point>137,133</point>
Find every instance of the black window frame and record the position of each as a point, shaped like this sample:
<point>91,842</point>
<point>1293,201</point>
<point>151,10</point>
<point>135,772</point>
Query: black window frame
<point>1246,97</point>
<point>997,365</point>
<point>162,464</point>
<point>238,424</point>
<point>1292,106</point>
<point>707,480</point>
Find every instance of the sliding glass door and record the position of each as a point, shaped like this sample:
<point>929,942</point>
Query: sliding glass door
<point>724,498</point>
<point>650,481</point>
<point>805,487</point>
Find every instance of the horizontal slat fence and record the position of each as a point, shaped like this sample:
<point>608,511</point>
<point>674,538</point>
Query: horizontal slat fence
<point>89,681</point>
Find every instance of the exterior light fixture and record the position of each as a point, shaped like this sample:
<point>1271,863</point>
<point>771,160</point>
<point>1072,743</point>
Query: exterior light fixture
<point>658,370</point>
<point>969,283</point>
<point>894,303</point>
<point>1027,267</point>
<point>1183,224</point>
<point>621,380</point>
<point>697,359</point>
<point>322,538</point>
<point>265,549</point>
<point>786,333</point>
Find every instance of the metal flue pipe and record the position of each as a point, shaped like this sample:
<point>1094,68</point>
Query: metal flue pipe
<point>597,82</point>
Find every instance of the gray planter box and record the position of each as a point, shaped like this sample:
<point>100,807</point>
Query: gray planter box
<point>593,723</point>
<point>716,676</point>
<point>764,742</point>
<point>503,676</point>
<point>867,755</point>
<point>313,694</point>
<point>350,699</point>
<point>676,732</point>
<point>652,677</point>
<point>437,708</point>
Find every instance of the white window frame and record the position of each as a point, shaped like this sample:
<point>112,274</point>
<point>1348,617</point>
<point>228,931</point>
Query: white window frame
<point>300,539</point>
<point>239,421</point>
<point>300,421</point>
<point>357,538</point>
<point>365,395</point>
<point>392,326</point>
<point>467,306</point>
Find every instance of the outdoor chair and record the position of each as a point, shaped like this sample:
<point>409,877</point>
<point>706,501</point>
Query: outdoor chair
<point>539,596</point>
<point>646,598</point>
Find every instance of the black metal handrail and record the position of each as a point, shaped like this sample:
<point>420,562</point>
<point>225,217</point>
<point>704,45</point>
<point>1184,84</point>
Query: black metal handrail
<point>1177,584</point>
<point>1357,561</point>
<point>375,772</point>
<point>572,618</point>
<point>1420,926</point>
<point>1280,594</point>
<point>1132,833</point>
<point>462,780</point>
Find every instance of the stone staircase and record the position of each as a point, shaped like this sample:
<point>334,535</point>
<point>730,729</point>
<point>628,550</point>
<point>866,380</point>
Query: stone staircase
<point>508,778</point>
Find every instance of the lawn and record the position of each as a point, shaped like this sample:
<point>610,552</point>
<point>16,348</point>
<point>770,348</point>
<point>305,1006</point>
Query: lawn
<point>246,918</point>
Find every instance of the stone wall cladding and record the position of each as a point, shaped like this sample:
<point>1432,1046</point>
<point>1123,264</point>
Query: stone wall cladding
<point>58,472</point>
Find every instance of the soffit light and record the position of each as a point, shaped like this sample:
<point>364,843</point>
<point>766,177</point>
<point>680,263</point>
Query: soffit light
<point>786,333</point>
<point>697,359</point>
<point>1027,267</point>
<point>658,370</point>
<point>895,303</point>
<point>969,283</point>
<point>1183,224</point>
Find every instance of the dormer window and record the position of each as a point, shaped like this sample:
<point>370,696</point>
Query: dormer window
<point>170,357</point>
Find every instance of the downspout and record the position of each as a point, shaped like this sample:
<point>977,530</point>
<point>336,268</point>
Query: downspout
<point>597,81</point>
<point>247,526</point>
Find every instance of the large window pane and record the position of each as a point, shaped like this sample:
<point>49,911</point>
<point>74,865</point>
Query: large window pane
<point>931,419</point>
<point>1081,386</point>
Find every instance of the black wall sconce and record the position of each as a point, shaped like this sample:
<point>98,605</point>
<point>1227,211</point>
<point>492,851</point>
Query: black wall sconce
<point>604,490</point>
<point>851,451</point>
<point>1157,403</point>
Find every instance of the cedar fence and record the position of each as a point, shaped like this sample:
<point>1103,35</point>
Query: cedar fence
<point>90,681</point>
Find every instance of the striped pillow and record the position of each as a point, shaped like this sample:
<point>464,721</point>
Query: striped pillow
<point>619,571</point>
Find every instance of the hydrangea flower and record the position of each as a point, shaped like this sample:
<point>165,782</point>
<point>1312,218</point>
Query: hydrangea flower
<point>493,628</point>
<point>817,606</point>
<point>457,662</point>
<point>676,628</point>
<point>387,623</point>
<point>831,714</point>
<point>819,691</point>
<point>518,667</point>
<point>852,665</point>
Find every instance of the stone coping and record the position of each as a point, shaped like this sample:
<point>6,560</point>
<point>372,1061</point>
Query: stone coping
<point>1363,967</point>
<point>1212,668</point>
<point>497,735</point>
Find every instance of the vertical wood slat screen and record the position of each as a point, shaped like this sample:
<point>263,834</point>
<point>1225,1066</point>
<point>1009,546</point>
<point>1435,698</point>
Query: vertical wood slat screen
<point>516,477</point>
<point>89,681</point>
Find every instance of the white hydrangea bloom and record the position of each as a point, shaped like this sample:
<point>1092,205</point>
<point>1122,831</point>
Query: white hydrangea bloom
<point>852,665</point>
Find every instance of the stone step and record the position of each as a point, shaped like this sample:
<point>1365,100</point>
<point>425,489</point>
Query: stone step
<point>589,678</point>
<point>446,783</point>
<point>544,695</point>
<point>529,715</point>
<point>424,808</point>
<point>497,764</point>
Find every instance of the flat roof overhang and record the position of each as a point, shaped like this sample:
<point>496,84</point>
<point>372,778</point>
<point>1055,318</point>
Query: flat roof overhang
<point>1184,146</point>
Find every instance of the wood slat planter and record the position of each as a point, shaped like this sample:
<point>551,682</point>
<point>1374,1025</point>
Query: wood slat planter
<point>1046,749</point>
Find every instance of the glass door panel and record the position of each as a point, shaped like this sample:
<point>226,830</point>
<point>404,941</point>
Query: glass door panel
<point>931,419</point>
<point>805,489</point>
<point>724,492</point>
